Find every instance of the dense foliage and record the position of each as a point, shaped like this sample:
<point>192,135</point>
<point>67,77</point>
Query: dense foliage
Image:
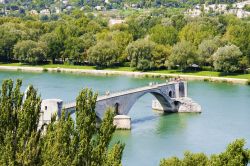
<point>149,40</point>
<point>235,154</point>
<point>62,142</point>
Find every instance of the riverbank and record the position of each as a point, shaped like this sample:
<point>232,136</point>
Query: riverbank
<point>128,72</point>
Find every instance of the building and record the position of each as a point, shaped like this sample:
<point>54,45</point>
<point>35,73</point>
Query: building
<point>45,12</point>
<point>33,12</point>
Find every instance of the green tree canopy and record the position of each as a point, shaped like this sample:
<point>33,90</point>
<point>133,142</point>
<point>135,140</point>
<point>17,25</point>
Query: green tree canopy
<point>120,38</point>
<point>30,51</point>
<point>235,154</point>
<point>166,35</point>
<point>239,35</point>
<point>104,54</point>
<point>207,48</point>
<point>145,54</point>
<point>227,59</point>
<point>183,54</point>
<point>140,54</point>
<point>196,32</point>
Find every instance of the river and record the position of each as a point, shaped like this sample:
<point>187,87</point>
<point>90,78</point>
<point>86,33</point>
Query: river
<point>225,116</point>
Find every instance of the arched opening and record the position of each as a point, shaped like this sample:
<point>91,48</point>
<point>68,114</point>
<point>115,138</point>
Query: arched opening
<point>170,94</point>
<point>140,108</point>
<point>162,98</point>
<point>116,106</point>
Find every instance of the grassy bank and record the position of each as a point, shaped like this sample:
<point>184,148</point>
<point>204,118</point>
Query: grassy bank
<point>129,69</point>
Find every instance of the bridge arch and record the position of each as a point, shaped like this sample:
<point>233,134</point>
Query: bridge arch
<point>123,104</point>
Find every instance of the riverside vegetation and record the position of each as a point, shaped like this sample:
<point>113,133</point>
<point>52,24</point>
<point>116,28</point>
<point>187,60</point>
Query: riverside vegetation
<point>79,142</point>
<point>152,40</point>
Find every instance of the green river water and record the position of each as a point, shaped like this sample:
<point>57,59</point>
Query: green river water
<point>225,116</point>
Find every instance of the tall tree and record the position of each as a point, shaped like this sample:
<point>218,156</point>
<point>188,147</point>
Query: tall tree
<point>19,117</point>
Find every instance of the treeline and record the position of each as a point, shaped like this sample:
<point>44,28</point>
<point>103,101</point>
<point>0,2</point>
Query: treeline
<point>147,41</point>
<point>64,141</point>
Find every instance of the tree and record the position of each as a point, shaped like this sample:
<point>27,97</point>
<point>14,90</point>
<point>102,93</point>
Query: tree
<point>235,154</point>
<point>166,35</point>
<point>207,48</point>
<point>19,134</point>
<point>103,54</point>
<point>9,37</point>
<point>121,39</point>
<point>196,32</point>
<point>145,54</point>
<point>178,21</point>
<point>138,25</point>
<point>228,59</point>
<point>183,54</point>
<point>30,51</point>
<point>74,49</point>
<point>160,54</point>
<point>54,45</point>
<point>140,54</point>
<point>239,35</point>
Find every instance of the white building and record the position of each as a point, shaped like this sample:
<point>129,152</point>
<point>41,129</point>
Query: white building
<point>193,12</point>
<point>33,12</point>
<point>99,8</point>
<point>45,12</point>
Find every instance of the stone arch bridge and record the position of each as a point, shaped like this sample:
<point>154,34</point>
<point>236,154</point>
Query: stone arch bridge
<point>165,93</point>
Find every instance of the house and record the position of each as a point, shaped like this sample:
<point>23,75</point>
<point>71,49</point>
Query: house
<point>99,8</point>
<point>57,10</point>
<point>45,12</point>
<point>33,12</point>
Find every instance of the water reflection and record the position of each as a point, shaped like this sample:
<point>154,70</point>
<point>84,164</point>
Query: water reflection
<point>173,123</point>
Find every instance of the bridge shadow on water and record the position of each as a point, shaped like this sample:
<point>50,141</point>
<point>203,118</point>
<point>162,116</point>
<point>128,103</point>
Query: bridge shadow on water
<point>144,119</point>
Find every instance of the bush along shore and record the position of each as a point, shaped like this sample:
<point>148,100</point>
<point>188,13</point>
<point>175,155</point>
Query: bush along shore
<point>236,79</point>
